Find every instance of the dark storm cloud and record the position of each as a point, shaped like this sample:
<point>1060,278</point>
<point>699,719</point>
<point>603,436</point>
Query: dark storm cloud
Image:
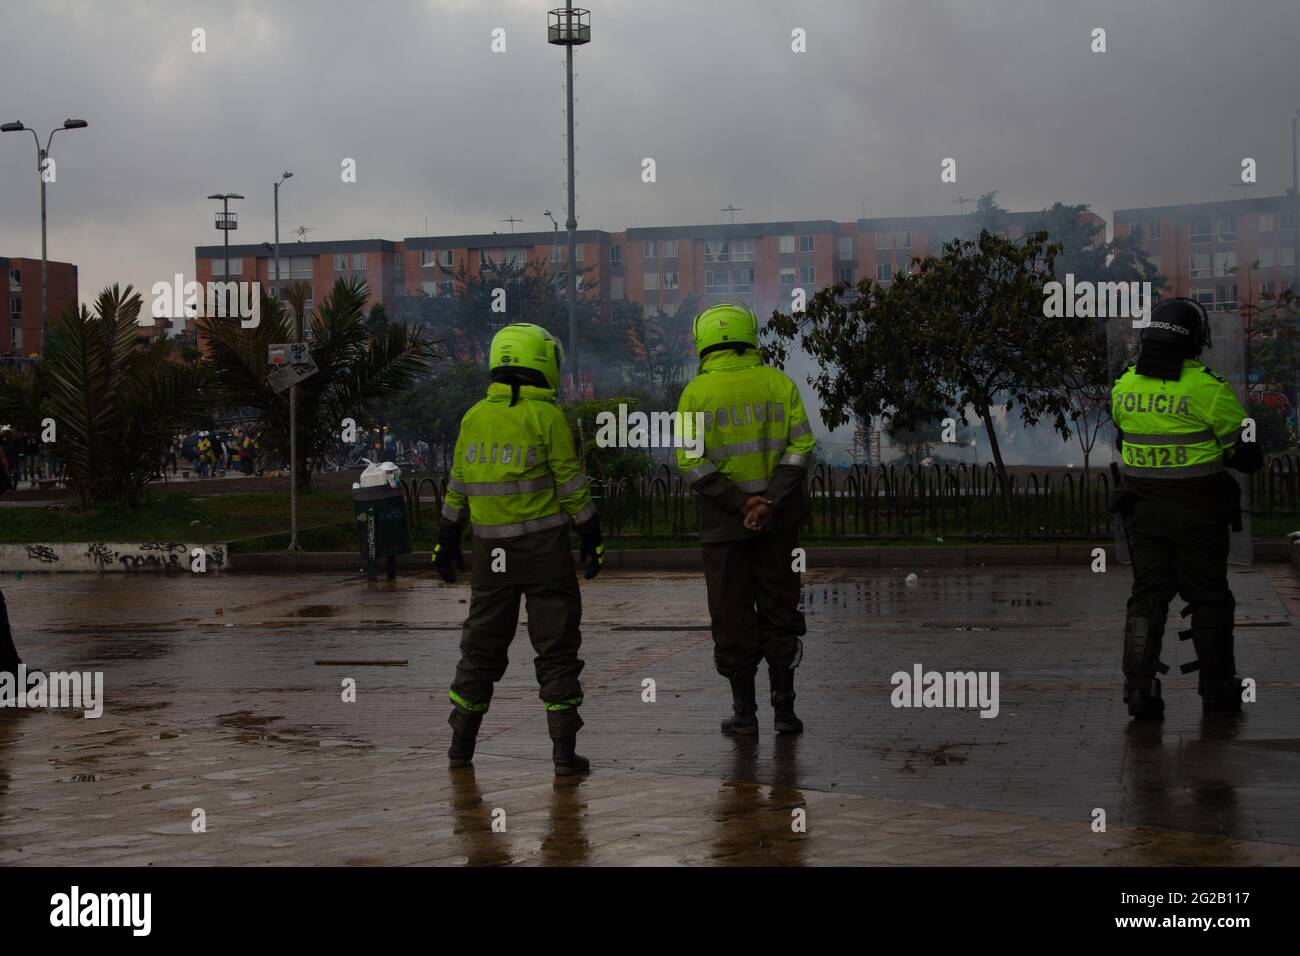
<point>441,127</point>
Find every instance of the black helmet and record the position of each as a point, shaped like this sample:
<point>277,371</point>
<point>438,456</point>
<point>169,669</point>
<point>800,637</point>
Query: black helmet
<point>1181,323</point>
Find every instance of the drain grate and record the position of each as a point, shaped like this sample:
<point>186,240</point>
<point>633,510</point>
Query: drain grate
<point>995,625</point>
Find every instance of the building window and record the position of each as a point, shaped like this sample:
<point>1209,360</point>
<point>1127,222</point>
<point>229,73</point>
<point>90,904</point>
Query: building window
<point>1202,265</point>
<point>742,250</point>
<point>1225,298</point>
<point>1204,296</point>
<point>904,265</point>
<point>15,308</point>
<point>883,240</point>
<point>616,288</point>
<point>649,250</point>
<point>715,280</point>
<point>15,280</point>
<point>650,280</point>
<point>786,246</point>
<point>358,260</point>
<point>1286,257</point>
<point>445,258</point>
<point>669,251</point>
<point>1155,262</point>
<point>716,250</point>
<point>1224,261</point>
<point>1153,230</point>
<point>1267,257</point>
<point>577,253</point>
<point>341,262</point>
<point>299,267</point>
<point>670,280</point>
<point>882,271</point>
<point>16,338</point>
<point>219,267</point>
<point>615,255</point>
<point>846,247</point>
<point>428,258</point>
<point>848,274</point>
<point>902,240</point>
<point>808,275</point>
<point>807,243</point>
<point>1288,219</point>
<point>1268,222</point>
<point>742,280</point>
<point>1268,290</point>
<point>446,287</point>
<point>787,275</point>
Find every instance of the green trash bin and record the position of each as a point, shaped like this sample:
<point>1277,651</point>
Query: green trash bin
<point>382,531</point>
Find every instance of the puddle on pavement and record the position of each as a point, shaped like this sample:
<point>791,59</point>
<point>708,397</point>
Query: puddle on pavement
<point>318,610</point>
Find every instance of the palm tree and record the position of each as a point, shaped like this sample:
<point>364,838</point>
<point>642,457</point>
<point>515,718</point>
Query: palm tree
<point>354,368</point>
<point>116,405</point>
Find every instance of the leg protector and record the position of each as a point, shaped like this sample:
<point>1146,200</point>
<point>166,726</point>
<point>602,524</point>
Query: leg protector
<point>1143,632</point>
<point>562,722</point>
<point>1211,635</point>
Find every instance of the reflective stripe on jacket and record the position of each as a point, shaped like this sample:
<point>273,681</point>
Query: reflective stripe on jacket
<point>515,469</point>
<point>1175,429</point>
<point>753,418</point>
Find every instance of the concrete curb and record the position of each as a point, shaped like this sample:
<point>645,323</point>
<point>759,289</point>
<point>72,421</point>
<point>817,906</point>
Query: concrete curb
<point>688,559</point>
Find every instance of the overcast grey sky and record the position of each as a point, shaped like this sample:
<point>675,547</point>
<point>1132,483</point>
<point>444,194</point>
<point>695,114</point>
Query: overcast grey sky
<point>442,127</point>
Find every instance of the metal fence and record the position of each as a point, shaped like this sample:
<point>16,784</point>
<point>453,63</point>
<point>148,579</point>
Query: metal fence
<point>961,502</point>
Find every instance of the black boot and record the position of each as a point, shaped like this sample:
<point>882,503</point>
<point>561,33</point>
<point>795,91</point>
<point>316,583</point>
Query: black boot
<point>744,708</point>
<point>566,761</point>
<point>9,659</point>
<point>464,735</point>
<point>1144,700</point>
<point>786,721</point>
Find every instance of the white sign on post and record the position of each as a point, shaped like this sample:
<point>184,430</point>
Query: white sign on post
<point>291,363</point>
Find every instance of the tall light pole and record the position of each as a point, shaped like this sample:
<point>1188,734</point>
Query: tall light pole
<point>293,389</point>
<point>568,28</point>
<point>226,222</point>
<point>555,241</point>
<point>42,157</point>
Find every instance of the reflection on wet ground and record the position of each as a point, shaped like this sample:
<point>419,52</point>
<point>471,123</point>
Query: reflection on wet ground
<point>215,702</point>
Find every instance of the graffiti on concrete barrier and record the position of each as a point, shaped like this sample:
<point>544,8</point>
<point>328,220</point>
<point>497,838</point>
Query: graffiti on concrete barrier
<point>101,554</point>
<point>39,552</point>
<point>170,548</point>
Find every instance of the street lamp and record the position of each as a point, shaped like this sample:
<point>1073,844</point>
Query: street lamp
<point>42,157</point>
<point>226,221</point>
<point>569,27</point>
<point>293,389</point>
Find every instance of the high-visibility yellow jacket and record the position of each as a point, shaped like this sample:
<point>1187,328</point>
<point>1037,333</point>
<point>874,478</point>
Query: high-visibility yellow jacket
<point>1175,429</point>
<point>757,440</point>
<point>516,470</point>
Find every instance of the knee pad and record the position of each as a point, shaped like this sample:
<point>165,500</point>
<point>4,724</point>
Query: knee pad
<point>1144,628</point>
<point>1211,636</point>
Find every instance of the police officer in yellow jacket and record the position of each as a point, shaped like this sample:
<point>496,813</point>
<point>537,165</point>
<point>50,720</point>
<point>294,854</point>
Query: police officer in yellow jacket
<point>1180,425</point>
<point>516,479</point>
<point>757,442</point>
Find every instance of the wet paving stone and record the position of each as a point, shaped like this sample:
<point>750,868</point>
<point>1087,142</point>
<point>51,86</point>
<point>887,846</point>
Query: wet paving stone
<point>214,702</point>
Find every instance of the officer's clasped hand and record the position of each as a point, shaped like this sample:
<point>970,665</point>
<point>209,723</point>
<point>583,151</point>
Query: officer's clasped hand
<point>758,512</point>
<point>592,547</point>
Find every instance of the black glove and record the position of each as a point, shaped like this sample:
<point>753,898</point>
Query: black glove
<point>592,548</point>
<point>447,555</point>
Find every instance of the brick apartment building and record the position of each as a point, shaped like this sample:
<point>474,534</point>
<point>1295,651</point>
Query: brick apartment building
<point>1197,246</point>
<point>657,267</point>
<point>20,322</point>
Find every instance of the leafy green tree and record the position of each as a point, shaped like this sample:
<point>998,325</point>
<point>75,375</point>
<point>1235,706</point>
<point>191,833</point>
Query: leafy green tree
<point>116,405</point>
<point>966,331</point>
<point>355,368</point>
<point>432,408</point>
